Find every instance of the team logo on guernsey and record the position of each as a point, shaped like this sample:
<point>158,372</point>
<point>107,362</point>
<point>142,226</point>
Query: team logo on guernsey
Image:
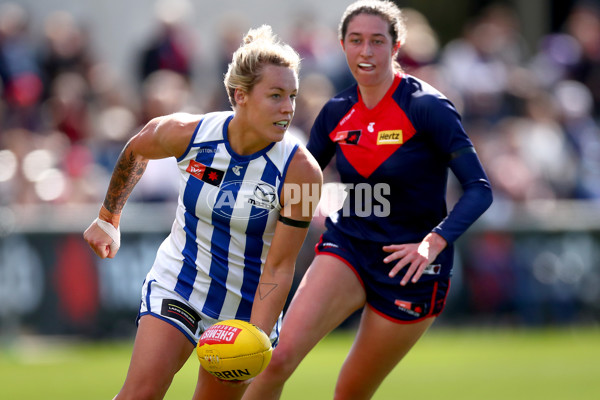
<point>389,137</point>
<point>264,196</point>
<point>237,199</point>
<point>347,137</point>
<point>204,173</point>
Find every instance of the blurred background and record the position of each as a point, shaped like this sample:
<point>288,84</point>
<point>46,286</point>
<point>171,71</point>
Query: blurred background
<point>78,79</point>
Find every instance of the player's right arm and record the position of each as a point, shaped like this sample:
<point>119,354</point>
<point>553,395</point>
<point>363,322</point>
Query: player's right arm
<point>162,137</point>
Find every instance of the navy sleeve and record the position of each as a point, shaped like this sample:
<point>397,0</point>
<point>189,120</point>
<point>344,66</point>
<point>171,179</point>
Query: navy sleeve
<point>319,144</point>
<point>437,118</point>
<point>476,197</point>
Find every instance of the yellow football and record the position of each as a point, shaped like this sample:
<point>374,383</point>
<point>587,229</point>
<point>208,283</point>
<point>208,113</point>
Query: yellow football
<point>234,350</point>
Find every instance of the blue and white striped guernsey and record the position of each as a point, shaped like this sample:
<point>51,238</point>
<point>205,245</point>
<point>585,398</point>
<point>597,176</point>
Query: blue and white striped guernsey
<point>225,220</point>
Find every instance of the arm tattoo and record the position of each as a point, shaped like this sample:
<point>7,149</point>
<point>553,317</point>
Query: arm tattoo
<point>265,289</point>
<point>126,175</point>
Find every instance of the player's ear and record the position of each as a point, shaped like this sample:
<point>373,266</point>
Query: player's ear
<point>240,96</point>
<point>342,43</point>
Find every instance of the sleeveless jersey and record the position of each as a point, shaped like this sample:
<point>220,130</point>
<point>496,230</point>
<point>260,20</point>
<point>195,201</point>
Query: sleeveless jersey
<point>225,220</point>
<point>394,159</point>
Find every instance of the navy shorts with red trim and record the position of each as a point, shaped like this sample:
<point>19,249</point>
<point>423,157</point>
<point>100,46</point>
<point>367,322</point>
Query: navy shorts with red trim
<point>403,304</point>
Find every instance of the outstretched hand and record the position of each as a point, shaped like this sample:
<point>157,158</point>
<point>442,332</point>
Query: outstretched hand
<point>417,256</point>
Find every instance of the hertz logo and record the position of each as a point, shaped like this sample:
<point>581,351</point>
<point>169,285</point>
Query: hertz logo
<point>389,137</point>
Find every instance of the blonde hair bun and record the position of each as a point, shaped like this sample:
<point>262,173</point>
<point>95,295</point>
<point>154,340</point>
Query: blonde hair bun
<point>262,33</point>
<point>260,47</point>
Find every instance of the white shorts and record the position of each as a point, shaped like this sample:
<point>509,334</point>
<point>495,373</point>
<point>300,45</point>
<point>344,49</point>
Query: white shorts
<point>169,306</point>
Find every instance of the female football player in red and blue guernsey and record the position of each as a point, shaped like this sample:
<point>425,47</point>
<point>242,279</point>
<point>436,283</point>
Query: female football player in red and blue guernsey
<point>394,137</point>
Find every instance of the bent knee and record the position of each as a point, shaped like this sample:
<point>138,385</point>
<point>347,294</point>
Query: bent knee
<point>282,365</point>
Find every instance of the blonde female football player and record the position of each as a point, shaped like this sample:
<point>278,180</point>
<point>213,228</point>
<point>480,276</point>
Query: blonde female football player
<point>237,230</point>
<point>397,135</point>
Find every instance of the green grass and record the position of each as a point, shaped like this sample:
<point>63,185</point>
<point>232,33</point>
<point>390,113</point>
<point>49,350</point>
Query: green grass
<point>447,363</point>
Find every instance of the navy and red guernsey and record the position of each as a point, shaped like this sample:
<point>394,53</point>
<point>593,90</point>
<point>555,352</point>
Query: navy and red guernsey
<point>394,160</point>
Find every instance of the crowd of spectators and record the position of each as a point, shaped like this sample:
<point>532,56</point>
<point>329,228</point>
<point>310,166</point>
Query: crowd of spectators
<point>533,112</point>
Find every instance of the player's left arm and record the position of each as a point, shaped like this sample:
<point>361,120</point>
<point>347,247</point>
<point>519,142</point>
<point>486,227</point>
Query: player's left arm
<point>448,135</point>
<point>299,198</point>
<point>476,198</point>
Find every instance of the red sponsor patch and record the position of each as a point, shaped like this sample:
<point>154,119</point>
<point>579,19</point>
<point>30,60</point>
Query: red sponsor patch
<point>219,334</point>
<point>411,308</point>
<point>348,137</point>
<point>197,169</point>
<point>403,304</point>
<point>204,173</point>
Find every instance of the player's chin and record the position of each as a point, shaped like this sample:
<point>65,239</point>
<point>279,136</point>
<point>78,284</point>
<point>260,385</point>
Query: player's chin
<point>277,136</point>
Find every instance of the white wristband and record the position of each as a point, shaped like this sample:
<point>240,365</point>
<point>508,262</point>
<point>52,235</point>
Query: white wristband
<point>110,230</point>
